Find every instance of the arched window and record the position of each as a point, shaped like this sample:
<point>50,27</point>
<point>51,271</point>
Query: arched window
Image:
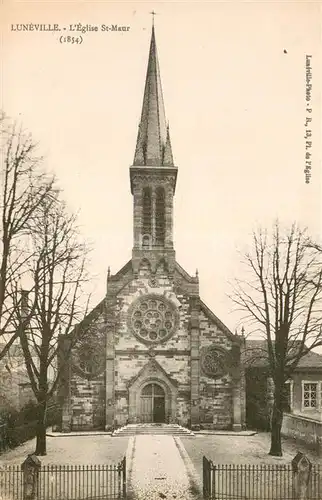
<point>152,390</point>
<point>146,238</point>
<point>160,216</point>
<point>147,211</point>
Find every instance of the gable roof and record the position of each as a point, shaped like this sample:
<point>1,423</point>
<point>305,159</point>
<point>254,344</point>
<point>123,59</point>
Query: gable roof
<point>256,356</point>
<point>213,318</point>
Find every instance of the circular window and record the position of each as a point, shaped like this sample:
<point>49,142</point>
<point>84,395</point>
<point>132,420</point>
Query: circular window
<point>88,360</point>
<point>214,362</point>
<point>153,318</point>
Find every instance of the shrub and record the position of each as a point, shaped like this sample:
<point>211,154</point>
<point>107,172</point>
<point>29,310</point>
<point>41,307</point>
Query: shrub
<point>20,426</point>
<point>19,434</point>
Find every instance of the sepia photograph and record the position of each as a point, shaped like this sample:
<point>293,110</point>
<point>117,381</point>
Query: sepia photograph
<point>161,250</point>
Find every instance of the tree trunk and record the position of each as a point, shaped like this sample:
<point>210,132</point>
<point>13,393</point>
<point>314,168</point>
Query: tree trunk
<point>41,430</point>
<point>276,424</point>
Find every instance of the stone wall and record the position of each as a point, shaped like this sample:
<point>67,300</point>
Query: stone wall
<point>215,403</point>
<point>210,333</point>
<point>87,403</point>
<point>183,409</point>
<point>303,429</point>
<point>215,393</point>
<point>82,391</point>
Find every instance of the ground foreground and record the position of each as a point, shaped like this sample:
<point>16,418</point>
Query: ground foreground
<point>251,450</point>
<point>159,466</point>
<point>92,449</point>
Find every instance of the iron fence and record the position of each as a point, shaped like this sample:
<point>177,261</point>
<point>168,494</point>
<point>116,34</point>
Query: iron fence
<point>11,482</point>
<point>68,482</point>
<point>255,482</point>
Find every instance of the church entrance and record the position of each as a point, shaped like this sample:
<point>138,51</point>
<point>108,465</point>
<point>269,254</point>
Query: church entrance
<point>152,404</point>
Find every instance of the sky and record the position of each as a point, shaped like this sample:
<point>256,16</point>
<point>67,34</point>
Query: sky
<point>234,85</point>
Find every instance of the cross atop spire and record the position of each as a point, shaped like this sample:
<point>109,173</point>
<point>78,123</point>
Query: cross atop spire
<point>153,147</point>
<point>153,14</point>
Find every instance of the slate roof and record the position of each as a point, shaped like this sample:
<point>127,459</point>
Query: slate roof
<point>256,356</point>
<point>153,143</point>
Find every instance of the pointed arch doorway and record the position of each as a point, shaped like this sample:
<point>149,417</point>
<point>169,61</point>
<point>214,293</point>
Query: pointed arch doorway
<point>152,403</point>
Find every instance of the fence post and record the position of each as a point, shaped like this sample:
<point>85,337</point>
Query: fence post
<point>301,467</point>
<point>30,469</point>
<point>206,479</point>
<point>124,477</point>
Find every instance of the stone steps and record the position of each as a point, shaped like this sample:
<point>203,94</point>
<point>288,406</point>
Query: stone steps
<point>142,433</point>
<point>153,430</point>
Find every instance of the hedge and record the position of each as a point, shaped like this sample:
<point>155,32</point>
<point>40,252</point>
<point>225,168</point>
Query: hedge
<point>18,427</point>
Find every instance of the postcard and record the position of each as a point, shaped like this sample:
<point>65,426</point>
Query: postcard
<point>179,143</point>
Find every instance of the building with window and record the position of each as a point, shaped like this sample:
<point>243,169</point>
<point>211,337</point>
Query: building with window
<point>303,419</point>
<point>152,351</point>
<point>303,391</point>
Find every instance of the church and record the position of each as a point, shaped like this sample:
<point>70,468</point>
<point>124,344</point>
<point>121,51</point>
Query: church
<point>151,351</point>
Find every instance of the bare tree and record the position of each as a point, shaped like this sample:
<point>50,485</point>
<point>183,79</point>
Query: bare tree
<point>282,299</point>
<point>24,186</point>
<point>58,273</point>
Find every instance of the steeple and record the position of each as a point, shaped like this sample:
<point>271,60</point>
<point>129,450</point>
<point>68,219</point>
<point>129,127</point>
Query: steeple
<point>153,177</point>
<point>153,147</point>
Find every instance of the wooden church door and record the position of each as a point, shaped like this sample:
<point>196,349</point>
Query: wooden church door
<point>152,404</point>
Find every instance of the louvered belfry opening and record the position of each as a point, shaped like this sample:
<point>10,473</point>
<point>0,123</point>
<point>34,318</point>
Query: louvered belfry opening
<point>160,216</point>
<point>146,216</point>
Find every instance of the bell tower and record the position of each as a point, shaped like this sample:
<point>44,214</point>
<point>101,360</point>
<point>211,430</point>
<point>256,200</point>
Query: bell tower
<point>153,177</point>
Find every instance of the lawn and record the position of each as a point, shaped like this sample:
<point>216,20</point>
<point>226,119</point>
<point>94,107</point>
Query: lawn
<point>252,450</point>
<point>92,449</point>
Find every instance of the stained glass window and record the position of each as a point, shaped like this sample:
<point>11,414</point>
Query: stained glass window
<point>153,319</point>
<point>214,362</point>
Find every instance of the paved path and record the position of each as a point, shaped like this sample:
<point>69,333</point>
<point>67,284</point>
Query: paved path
<point>159,468</point>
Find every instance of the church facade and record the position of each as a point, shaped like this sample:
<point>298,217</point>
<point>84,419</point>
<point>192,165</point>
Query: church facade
<point>151,351</point>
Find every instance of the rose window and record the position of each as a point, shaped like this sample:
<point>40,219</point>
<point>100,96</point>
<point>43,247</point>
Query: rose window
<point>214,362</point>
<point>89,360</point>
<point>153,319</point>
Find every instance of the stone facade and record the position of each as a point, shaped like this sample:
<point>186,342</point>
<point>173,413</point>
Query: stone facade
<point>152,351</point>
<point>194,396</point>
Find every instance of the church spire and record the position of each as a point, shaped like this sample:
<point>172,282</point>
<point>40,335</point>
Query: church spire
<point>167,152</point>
<point>153,177</point>
<point>153,147</point>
